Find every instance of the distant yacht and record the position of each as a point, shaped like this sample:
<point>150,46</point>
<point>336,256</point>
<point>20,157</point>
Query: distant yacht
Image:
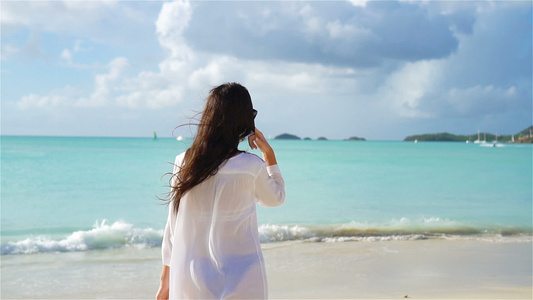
<point>495,143</point>
<point>479,141</point>
<point>180,138</point>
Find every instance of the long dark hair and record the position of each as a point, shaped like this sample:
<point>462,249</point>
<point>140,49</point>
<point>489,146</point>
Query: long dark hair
<point>228,117</point>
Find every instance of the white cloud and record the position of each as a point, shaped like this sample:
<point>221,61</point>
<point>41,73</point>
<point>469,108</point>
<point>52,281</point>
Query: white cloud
<point>478,99</point>
<point>8,50</point>
<point>56,98</point>
<point>77,46</point>
<point>104,83</point>
<point>105,87</point>
<point>36,101</point>
<point>106,22</point>
<point>151,90</point>
<point>404,89</point>
<point>397,86</point>
<point>55,15</point>
<point>313,24</point>
<point>28,49</point>
<point>67,56</point>
<point>173,19</point>
<point>152,98</point>
<point>165,88</point>
<point>337,30</point>
<point>360,3</point>
<point>213,73</point>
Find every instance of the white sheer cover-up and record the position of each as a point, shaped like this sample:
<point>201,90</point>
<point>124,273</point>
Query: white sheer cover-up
<point>212,244</point>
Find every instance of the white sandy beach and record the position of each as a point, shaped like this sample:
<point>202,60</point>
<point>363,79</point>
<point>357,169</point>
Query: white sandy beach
<point>395,269</point>
<point>296,270</point>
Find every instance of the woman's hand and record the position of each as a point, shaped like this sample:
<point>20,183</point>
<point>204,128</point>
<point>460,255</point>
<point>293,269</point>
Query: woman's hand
<point>162,293</point>
<point>258,141</point>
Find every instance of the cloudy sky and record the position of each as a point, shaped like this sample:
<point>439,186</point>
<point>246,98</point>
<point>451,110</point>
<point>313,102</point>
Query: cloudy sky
<point>380,70</point>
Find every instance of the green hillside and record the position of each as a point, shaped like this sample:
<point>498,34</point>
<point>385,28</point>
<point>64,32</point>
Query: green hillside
<point>523,136</point>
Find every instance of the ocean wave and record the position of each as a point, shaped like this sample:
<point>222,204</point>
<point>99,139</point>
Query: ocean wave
<point>402,229</point>
<point>101,236</point>
<point>122,235</point>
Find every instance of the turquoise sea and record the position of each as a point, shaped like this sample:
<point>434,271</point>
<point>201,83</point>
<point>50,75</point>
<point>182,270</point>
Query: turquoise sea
<point>64,194</point>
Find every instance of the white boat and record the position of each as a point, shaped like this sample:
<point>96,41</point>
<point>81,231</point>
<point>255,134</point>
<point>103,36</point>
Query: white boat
<point>180,138</point>
<point>479,141</point>
<point>495,143</point>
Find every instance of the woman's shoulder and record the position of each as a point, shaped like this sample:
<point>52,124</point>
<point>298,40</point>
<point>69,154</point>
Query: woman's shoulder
<point>250,158</point>
<point>243,162</point>
<point>179,158</point>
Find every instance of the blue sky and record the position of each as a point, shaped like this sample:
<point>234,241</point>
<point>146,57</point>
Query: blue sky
<point>375,69</point>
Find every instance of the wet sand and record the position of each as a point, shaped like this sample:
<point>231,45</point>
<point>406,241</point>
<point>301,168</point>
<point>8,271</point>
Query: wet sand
<point>459,269</point>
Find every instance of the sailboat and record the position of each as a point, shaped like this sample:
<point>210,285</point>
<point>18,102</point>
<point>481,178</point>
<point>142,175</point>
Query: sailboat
<point>155,136</point>
<point>479,141</point>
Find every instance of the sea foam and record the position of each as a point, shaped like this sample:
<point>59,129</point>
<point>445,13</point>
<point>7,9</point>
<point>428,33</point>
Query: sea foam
<point>403,229</point>
<point>121,234</point>
<point>101,236</point>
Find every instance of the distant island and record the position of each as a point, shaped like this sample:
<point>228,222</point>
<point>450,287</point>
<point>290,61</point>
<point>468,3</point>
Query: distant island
<point>355,138</point>
<point>287,136</point>
<point>524,136</point>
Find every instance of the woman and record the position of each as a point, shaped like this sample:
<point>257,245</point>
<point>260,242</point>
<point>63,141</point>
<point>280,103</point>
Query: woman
<point>211,245</point>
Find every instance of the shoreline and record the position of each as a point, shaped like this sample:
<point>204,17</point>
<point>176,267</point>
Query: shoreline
<point>421,269</point>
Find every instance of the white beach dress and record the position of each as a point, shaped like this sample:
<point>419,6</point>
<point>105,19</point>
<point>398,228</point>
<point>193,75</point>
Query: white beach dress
<point>212,245</point>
